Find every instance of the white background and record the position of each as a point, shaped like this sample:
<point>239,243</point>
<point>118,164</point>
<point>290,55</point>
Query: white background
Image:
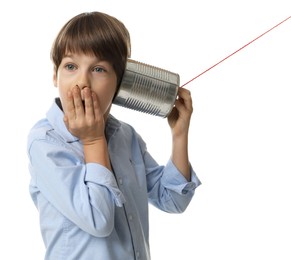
<point>240,143</point>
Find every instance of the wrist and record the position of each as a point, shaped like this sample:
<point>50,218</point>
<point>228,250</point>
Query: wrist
<point>179,136</point>
<point>93,141</point>
<point>96,151</point>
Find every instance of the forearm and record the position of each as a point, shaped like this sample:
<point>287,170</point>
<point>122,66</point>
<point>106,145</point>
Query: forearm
<point>180,155</point>
<point>97,152</point>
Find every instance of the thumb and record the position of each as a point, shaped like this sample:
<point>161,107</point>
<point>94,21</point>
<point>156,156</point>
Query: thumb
<point>66,121</point>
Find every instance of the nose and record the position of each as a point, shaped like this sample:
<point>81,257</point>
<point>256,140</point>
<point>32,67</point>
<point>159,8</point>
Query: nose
<point>83,81</point>
<point>82,86</point>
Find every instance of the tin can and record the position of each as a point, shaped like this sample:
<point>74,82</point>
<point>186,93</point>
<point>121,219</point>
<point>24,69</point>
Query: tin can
<point>147,89</point>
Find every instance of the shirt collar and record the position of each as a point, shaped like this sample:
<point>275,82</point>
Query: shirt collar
<point>55,116</point>
<point>112,125</point>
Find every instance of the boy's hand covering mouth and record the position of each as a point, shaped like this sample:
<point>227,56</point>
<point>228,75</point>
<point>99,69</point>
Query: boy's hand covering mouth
<point>83,117</point>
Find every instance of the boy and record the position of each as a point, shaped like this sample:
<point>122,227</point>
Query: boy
<point>91,175</point>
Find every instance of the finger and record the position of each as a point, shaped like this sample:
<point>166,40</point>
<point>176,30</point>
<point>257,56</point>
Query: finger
<point>78,104</point>
<point>184,96</point>
<point>89,111</point>
<point>96,106</point>
<point>184,93</point>
<point>70,107</point>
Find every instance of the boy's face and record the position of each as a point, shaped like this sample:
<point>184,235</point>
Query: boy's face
<point>86,71</point>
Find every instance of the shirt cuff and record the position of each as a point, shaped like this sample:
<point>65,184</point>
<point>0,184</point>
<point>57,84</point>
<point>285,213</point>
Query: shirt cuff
<point>174,180</point>
<point>100,175</point>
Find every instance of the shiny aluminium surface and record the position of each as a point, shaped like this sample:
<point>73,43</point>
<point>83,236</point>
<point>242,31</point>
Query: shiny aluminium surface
<point>147,89</point>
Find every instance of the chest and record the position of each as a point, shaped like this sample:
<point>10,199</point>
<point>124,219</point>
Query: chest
<point>129,170</point>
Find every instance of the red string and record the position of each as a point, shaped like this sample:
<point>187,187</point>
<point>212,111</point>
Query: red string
<point>236,51</point>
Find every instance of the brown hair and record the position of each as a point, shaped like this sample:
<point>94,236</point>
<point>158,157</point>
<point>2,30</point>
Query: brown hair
<point>94,33</point>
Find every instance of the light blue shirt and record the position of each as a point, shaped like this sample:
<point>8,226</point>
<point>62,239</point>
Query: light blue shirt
<point>86,211</point>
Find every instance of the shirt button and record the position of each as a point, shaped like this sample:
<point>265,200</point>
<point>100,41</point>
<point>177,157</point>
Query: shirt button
<point>120,181</point>
<point>137,255</point>
<point>130,217</point>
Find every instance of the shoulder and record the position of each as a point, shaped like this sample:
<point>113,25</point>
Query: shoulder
<point>130,135</point>
<point>41,133</point>
<point>39,130</point>
<point>118,127</point>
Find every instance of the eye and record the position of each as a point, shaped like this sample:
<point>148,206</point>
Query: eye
<point>70,66</point>
<point>98,69</point>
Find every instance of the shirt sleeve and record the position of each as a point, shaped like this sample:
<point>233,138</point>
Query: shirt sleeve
<point>175,181</point>
<point>84,193</point>
<point>168,189</point>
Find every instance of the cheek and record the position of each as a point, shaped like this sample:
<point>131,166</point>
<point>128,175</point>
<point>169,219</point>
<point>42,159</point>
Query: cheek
<point>63,92</point>
<point>105,97</point>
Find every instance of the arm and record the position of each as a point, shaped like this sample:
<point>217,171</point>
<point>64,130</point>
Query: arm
<point>179,122</point>
<point>172,187</point>
<point>86,194</point>
<point>167,187</point>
